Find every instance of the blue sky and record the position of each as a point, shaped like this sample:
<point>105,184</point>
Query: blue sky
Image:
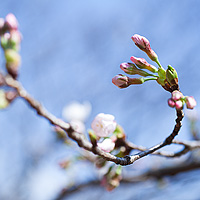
<point>72,49</point>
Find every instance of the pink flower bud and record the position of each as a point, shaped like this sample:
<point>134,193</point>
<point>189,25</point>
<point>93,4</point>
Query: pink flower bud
<point>11,95</point>
<point>143,64</point>
<point>131,69</point>
<point>176,95</point>
<point>190,102</point>
<point>141,42</point>
<point>11,22</point>
<point>120,81</point>
<point>127,68</point>
<point>179,105</point>
<point>171,103</point>
<point>103,125</point>
<point>144,45</point>
<point>107,145</point>
<point>11,40</point>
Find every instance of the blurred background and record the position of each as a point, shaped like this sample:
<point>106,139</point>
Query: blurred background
<point>70,52</point>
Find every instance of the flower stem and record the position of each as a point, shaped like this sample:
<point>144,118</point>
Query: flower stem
<point>148,79</point>
<point>158,63</point>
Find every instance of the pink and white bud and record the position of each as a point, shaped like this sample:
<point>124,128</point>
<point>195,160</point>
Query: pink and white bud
<point>131,69</point>
<point>107,145</point>
<point>141,42</point>
<point>143,64</point>
<point>103,125</point>
<point>144,45</point>
<point>121,81</point>
<point>190,102</point>
<point>176,95</point>
<point>11,22</point>
<point>126,67</point>
<point>171,103</point>
<point>179,105</point>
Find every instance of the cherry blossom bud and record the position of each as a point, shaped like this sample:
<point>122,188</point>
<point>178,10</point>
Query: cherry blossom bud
<point>143,64</point>
<point>141,42</point>
<point>3,101</point>
<point>103,125</point>
<point>112,178</point>
<point>171,103</point>
<point>11,22</point>
<point>176,95</point>
<point>179,105</point>
<point>107,145</point>
<point>121,81</point>
<point>190,102</point>
<point>5,41</point>
<point>11,95</point>
<point>171,76</point>
<point>144,45</point>
<point>13,60</point>
<point>131,69</point>
<point>93,138</point>
<point>11,40</point>
<point>119,133</point>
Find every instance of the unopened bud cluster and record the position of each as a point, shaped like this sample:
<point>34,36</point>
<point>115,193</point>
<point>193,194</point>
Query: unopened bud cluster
<point>168,79</point>
<point>177,100</point>
<point>10,42</point>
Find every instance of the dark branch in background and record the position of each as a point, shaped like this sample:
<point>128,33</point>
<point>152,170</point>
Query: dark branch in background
<point>84,143</point>
<point>157,174</point>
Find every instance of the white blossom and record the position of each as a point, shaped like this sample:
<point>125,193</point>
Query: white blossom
<point>107,145</point>
<point>103,124</point>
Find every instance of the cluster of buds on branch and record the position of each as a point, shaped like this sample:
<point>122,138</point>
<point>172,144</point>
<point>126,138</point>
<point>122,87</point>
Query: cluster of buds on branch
<point>168,79</point>
<point>177,100</point>
<point>10,42</point>
<point>103,132</point>
<point>109,137</point>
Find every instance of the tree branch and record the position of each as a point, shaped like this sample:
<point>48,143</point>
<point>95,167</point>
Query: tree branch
<point>84,143</point>
<point>158,173</point>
